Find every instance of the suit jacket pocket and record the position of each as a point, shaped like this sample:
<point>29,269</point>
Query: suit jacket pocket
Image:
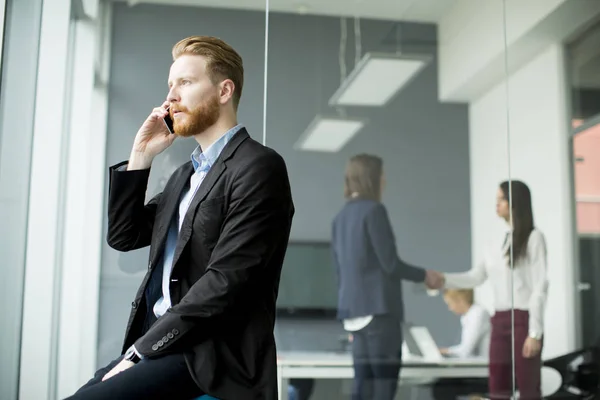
<point>209,219</point>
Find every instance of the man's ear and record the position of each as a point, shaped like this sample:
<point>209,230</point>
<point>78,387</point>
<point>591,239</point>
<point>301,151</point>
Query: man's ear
<point>227,88</point>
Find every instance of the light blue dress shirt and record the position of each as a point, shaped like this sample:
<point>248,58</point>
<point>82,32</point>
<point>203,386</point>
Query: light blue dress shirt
<point>202,162</point>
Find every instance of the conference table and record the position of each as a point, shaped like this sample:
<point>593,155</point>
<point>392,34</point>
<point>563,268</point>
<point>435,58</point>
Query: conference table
<point>338,365</point>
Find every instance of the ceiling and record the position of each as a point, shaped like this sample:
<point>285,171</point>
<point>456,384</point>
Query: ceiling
<point>406,10</point>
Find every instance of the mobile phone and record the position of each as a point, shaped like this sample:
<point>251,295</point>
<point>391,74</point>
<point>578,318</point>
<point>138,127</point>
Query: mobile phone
<point>169,122</point>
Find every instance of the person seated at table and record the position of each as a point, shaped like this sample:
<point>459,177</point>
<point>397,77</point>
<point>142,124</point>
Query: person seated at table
<point>475,322</point>
<point>475,342</point>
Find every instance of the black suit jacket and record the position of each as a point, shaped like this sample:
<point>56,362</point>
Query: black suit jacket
<point>226,267</point>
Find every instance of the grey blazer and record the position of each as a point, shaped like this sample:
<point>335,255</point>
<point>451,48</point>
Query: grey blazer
<point>368,268</point>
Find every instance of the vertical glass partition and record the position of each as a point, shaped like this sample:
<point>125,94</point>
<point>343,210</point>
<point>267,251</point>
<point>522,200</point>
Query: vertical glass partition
<point>550,64</point>
<point>142,38</point>
<point>395,155</point>
<point>20,26</point>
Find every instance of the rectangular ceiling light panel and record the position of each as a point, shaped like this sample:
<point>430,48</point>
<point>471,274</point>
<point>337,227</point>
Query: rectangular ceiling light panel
<point>329,134</point>
<point>377,78</point>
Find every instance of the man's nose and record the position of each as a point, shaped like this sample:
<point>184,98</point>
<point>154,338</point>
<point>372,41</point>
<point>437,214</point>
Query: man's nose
<point>172,96</point>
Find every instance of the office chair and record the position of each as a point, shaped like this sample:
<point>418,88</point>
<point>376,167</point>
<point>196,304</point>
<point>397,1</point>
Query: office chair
<point>579,373</point>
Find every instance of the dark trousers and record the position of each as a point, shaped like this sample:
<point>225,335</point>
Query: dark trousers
<point>165,378</point>
<point>377,356</point>
<point>527,370</point>
<point>451,388</point>
<point>304,387</point>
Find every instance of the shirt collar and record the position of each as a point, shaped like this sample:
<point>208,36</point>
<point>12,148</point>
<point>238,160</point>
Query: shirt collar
<point>207,158</point>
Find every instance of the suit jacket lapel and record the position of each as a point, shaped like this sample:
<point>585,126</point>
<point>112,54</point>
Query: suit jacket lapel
<point>172,200</point>
<point>207,184</point>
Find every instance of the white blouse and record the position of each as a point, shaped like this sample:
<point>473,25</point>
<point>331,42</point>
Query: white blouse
<point>475,334</point>
<point>524,287</point>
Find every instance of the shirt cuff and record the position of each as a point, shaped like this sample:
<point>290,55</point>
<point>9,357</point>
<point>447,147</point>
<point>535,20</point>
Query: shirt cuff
<point>453,350</point>
<point>137,353</point>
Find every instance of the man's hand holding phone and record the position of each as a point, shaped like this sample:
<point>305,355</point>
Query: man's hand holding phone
<point>152,138</point>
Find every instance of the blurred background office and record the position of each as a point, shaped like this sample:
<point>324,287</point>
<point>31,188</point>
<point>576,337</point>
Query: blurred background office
<point>455,95</point>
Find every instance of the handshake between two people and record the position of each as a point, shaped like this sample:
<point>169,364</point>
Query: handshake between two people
<point>434,280</point>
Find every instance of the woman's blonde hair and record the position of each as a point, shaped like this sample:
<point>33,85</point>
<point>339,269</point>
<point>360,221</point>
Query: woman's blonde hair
<point>466,294</point>
<point>363,177</point>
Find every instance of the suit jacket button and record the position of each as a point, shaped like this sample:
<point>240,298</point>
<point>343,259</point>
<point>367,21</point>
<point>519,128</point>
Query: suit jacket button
<point>165,339</point>
<point>160,343</point>
<point>170,335</point>
<point>175,332</point>
<point>133,305</point>
<point>154,347</point>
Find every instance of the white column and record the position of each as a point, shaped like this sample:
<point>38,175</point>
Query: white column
<point>43,255</point>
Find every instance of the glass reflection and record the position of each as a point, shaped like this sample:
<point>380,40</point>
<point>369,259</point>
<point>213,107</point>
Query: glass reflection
<point>142,40</point>
<point>353,87</point>
<point>551,123</point>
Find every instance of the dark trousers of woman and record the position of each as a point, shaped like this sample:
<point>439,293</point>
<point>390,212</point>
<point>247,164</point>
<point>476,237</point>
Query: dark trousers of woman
<point>377,356</point>
<point>527,370</point>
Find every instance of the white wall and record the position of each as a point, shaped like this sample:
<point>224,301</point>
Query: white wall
<point>539,155</point>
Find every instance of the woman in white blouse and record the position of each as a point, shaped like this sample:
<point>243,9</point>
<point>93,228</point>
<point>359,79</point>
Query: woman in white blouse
<point>520,287</point>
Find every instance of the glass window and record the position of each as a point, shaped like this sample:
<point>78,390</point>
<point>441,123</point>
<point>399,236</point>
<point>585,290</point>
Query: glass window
<point>21,27</point>
<point>394,152</point>
<point>583,58</point>
<point>142,39</point>
<point>550,94</point>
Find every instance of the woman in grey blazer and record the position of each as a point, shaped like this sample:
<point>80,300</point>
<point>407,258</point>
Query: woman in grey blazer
<point>369,275</point>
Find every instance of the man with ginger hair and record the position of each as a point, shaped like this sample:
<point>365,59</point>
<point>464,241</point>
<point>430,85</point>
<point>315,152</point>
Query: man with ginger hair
<point>202,320</point>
